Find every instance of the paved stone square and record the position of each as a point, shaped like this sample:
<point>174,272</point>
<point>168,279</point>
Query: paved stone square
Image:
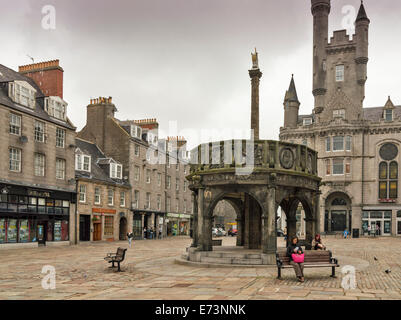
<point>151,273</point>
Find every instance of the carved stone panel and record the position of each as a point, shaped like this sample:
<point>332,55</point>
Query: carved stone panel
<point>286,158</point>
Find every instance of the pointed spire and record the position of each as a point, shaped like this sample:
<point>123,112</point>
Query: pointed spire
<point>389,104</point>
<point>291,94</point>
<point>362,13</point>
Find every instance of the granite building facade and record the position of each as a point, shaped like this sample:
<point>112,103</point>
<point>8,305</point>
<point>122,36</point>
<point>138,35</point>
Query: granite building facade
<point>103,196</point>
<point>37,179</point>
<point>160,200</point>
<point>358,148</point>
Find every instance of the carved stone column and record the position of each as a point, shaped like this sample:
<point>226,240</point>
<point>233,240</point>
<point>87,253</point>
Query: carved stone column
<point>329,221</point>
<point>291,227</point>
<point>240,229</point>
<point>195,231</point>
<point>316,210</point>
<point>310,232</point>
<point>207,244</point>
<point>255,75</point>
<point>201,222</point>
<point>269,232</point>
<point>245,224</point>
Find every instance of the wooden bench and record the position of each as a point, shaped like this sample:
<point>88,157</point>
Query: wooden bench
<point>313,259</point>
<point>117,257</point>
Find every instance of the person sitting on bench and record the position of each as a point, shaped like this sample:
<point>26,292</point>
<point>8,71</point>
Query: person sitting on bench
<point>295,249</point>
<point>317,243</point>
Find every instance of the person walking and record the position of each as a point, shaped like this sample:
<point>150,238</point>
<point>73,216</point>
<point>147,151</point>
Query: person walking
<point>144,233</point>
<point>296,255</point>
<point>369,230</point>
<point>130,236</point>
<point>160,231</point>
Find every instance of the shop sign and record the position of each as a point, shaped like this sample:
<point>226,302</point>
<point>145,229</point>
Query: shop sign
<point>173,215</point>
<point>41,194</point>
<point>101,210</point>
<point>185,216</point>
<point>160,220</point>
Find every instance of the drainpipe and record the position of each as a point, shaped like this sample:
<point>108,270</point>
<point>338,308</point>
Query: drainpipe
<point>363,166</point>
<point>76,211</point>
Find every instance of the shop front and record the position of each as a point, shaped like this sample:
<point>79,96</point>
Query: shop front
<point>172,224</point>
<point>184,224</point>
<point>33,216</point>
<point>178,224</point>
<point>105,225</point>
<point>150,221</point>
<point>137,228</point>
<point>377,222</point>
<point>398,223</point>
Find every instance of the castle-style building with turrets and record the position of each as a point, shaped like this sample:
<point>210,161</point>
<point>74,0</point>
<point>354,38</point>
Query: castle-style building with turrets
<point>359,149</point>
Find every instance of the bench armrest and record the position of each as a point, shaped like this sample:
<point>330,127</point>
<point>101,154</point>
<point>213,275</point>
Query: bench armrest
<point>334,260</point>
<point>278,261</point>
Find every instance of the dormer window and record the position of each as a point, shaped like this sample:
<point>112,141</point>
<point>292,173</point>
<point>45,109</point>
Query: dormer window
<point>23,93</point>
<point>340,113</point>
<point>151,138</point>
<point>388,115</point>
<point>307,121</point>
<point>340,73</point>
<point>82,162</point>
<point>136,131</point>
<point>116,171</point>
<point>56,107</point>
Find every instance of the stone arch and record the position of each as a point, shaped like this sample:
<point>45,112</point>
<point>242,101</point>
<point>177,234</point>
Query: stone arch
<point>223,193</point>
<point>123,228</point>
<point>338,212</point>
<point>330,192</point>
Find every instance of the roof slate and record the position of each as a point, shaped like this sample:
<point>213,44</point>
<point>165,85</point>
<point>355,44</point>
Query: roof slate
<point>97,173</point>
<point>8,75</point>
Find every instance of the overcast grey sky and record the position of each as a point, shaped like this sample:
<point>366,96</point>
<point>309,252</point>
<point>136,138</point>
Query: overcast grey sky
<point>188,60</point>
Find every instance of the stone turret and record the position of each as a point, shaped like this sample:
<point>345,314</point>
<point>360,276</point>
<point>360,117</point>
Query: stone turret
<point>320,12</point>
<point>361,58</point>
<point>291,106</point>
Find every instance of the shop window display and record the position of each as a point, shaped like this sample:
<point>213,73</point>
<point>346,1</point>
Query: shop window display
<point>2,230</point>
<point>12,230</point>
<point>57,230</point>
<point>32,231</point>
<point>23,233</point>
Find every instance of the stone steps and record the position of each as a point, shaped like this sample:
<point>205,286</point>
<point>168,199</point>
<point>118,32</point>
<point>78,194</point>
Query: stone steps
<point>232,260</point>
<point>232,255</point>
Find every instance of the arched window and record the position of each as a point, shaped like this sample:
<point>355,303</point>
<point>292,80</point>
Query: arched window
<point>339,202</point>
<point>388,180</point>
<point>393,181</point>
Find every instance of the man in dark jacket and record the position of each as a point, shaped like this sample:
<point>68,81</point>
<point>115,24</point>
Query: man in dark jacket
<point>292,248</point>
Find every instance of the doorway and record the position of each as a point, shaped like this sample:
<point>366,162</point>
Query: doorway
<point>123,229</point>
<point>84,228</point>
<point>41,233</point>
<point>97,231</point>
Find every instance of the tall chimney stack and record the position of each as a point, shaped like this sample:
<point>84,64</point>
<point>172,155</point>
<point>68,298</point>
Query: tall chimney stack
<point>48,76</point>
